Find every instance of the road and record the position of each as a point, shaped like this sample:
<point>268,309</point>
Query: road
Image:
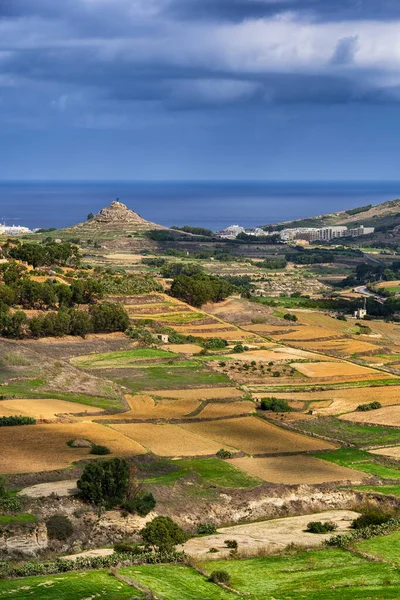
<point>364,291</point>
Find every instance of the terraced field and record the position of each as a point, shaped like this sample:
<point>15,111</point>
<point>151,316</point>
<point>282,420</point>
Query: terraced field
<point>297,469</point>
<point>255,436</point>
<point>37,448</point>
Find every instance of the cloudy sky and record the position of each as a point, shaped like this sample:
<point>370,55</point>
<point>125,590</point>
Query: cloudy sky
<point>199,89</point>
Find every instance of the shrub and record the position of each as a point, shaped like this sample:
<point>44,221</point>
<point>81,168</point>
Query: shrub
<point>206,529</point>
<point>215,344</point>
<point>105,482</point>
<point>59,527</point>
<point>128,548</point>
<point>290,317</point>
<point>222,453</point>
<point>231,544</point>
<point>16,420</point>
<point>275,405</point>
<point>163,534</point>
<point>320,527</point>
<point>372,516</point>
<point>141,505</point>
<point>238,348</point>
<point>220,577</point>
<point>370,406</point>
<point>100,450</point>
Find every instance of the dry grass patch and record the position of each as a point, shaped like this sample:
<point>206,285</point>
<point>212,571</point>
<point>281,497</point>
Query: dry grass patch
<point>273,535</point>
<point>42,409</point>
<point>336,369</point>
<point>214,410</point>
<point>144,407</point>
<point>336,402</point>
<point>168,440</point>
<point>307,333</point>
<point>389,415</point>
<point>276,353</point>
<point>392,452</point>
<point>293,470</point>
<point>35,448</point>
<point>343,346</point>
<point>255,436</point>
<point>183,348</point>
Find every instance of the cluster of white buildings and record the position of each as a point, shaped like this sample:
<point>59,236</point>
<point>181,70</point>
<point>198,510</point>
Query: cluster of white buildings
<point>313,234</point>
<point>231,232</point>
<point>13,230</point>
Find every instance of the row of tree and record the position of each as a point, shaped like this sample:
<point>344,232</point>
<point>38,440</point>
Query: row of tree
<point>106,317</point>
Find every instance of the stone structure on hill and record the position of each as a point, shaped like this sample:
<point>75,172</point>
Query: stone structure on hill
<point>116,219</point>
<point>117,212</point>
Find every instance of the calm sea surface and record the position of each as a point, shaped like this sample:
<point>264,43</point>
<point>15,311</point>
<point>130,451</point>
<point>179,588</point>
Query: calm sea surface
<point>207,204</point>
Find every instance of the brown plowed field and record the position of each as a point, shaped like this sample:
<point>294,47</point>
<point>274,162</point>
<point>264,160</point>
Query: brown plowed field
<point>255,436</point>
<point>168,440</point>
<point>35,448</point>
<point>392,452</point>
<point>294,470</point>
<point>143,406</point>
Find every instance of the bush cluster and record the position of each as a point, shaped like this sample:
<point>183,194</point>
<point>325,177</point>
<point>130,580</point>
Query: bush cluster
<point>16,420</point>
<point>200,288</point>
<point>370,406</point>
<point>28,569</point>
<point>320,527</point>
<point>206,529</point>
<point>343,540</point>
<point>141,505</point>
<point>222,453</point>
<point>220,577</point>
<point>275,405</point>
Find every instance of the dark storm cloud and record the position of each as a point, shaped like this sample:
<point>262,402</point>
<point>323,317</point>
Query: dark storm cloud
<point>321,9</point>
<point>81,55</point>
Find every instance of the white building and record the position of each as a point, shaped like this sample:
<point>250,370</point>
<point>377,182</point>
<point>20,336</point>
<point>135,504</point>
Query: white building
<point>231,232</point>
<point>13,230</point>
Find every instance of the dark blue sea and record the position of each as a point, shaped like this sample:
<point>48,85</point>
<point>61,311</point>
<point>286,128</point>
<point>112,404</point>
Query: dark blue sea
<point>207,204</point>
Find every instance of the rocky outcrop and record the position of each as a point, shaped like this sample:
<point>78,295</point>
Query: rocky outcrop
<point>24,541</point>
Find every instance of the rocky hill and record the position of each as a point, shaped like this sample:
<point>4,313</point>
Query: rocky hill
<point>113,221</point>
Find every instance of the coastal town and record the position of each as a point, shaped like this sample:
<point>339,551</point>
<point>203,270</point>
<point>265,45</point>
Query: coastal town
<point>309,234</point>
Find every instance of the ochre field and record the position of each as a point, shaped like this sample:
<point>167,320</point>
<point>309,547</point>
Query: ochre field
<point>255,436</point>
<point>168,440</point>
<point>36,448</point>
<point>300,469</point>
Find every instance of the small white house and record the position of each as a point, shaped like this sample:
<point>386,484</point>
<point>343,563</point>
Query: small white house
<point>163,338</point>
<point>360,313</point>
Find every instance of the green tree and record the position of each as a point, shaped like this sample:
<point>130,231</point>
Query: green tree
<point>105,482</point>
<point>163,534</point>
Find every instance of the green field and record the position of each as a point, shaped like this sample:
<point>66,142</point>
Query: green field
<point>385,490</point>
<point>361,461</point>
<point>315,575</point>
<point>120,359</point>
<point>212,470</point>
<point>176,582</point>
<point>70,586</point>
<point>21,519</point>
<point>353,433</point>
<point>305,575</point>
<point>165,377</point>
<point>385,548</point>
